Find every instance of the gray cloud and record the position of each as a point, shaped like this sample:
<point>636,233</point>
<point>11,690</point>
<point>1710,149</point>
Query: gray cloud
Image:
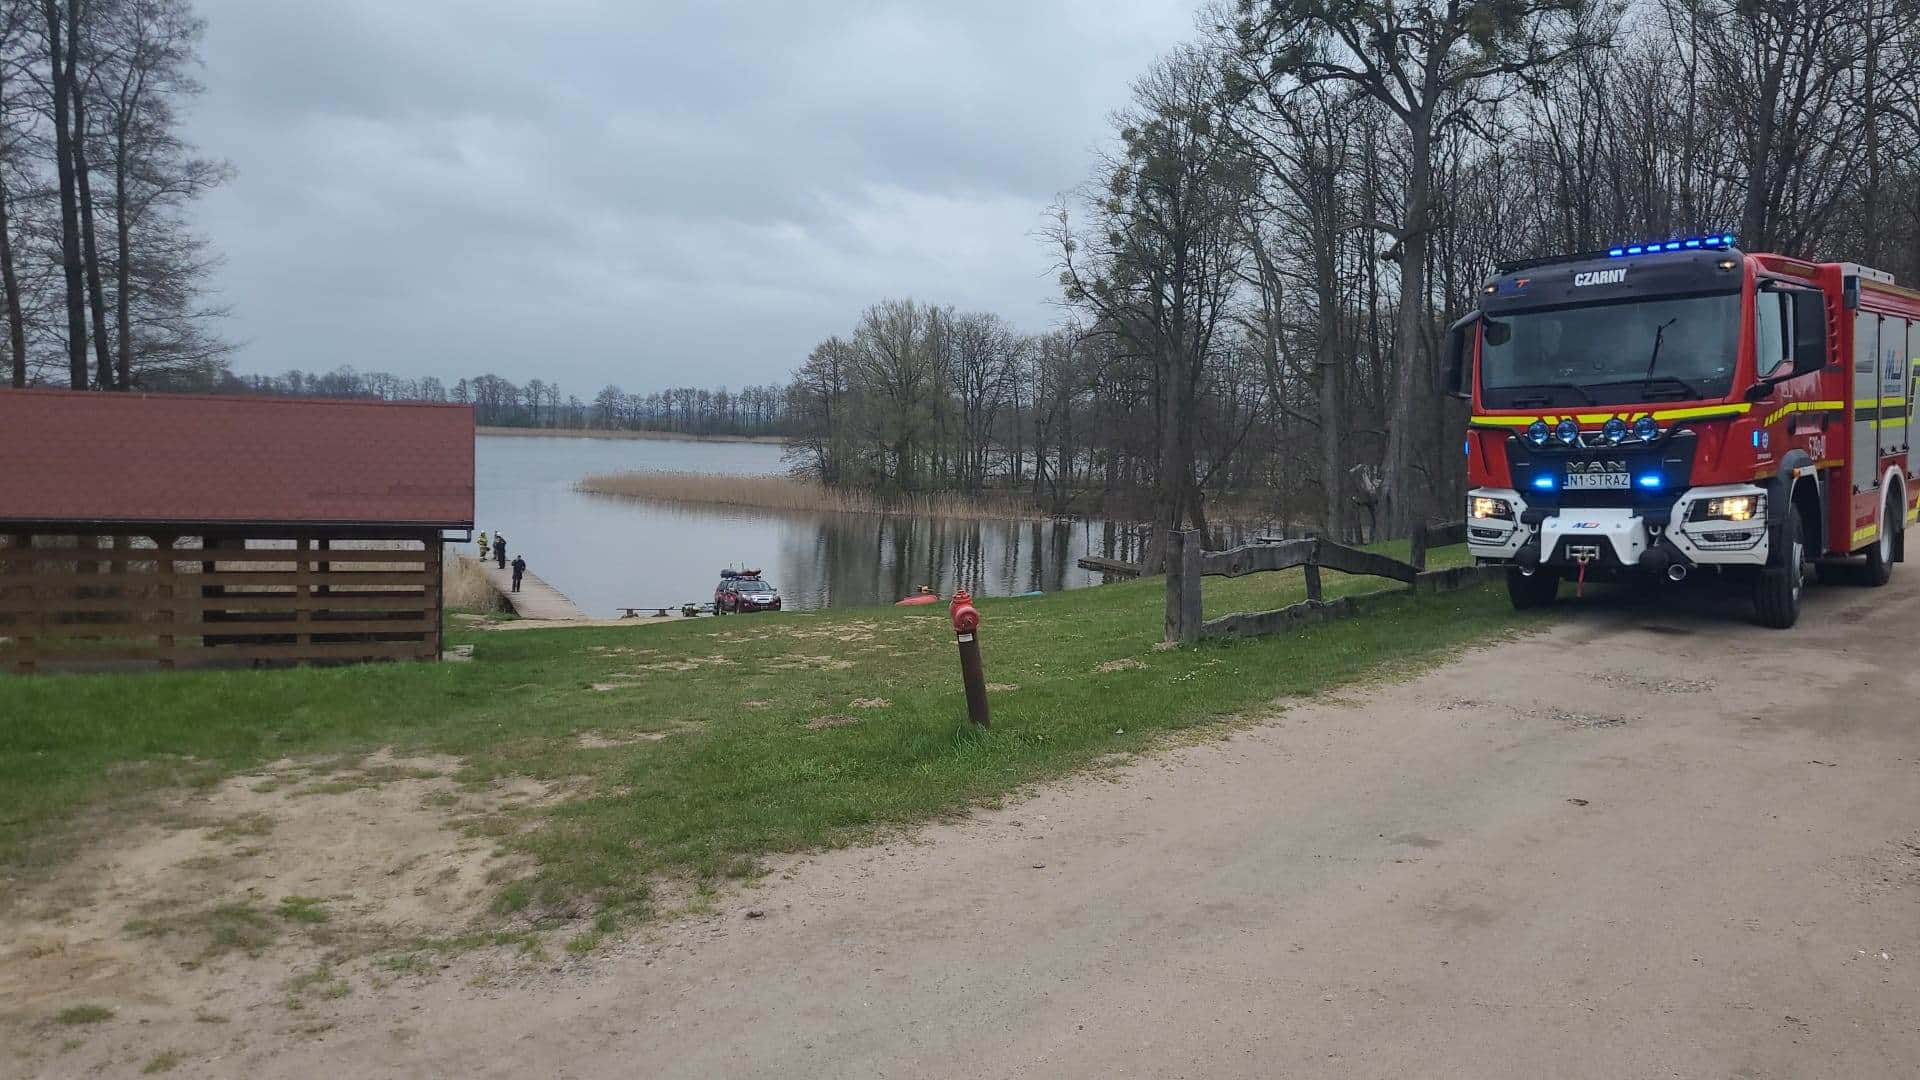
<point>644,193</point>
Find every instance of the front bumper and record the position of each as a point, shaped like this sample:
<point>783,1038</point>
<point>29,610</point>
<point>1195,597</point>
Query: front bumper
<point>1619,537</point>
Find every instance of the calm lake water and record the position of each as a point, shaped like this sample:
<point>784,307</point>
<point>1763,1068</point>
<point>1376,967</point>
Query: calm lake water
<point>606,552</point>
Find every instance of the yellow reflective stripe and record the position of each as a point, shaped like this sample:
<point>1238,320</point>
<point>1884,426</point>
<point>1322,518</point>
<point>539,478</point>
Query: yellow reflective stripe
<point>1865,533</point>
<point>1703,411</point>
<point>1792,407</point>
<point>1886,401</point>
<point>1697,412</point>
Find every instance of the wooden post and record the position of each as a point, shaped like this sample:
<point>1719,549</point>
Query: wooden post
<point>1418,544</point>
<point>435,568</point>
<point>163,567</point>
<point>23,639</point>
<point>302,597</point>
<point>1312,570</point>
<point>1183,585</point>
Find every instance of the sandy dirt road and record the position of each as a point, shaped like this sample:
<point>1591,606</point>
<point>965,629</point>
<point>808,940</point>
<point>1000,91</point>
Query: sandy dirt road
<point>1647,843</point>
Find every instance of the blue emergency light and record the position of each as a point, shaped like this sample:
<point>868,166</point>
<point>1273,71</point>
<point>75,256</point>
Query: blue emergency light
<point>1714,242</point>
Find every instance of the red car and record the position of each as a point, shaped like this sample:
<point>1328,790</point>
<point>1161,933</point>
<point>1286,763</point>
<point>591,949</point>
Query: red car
<point>741,591</point>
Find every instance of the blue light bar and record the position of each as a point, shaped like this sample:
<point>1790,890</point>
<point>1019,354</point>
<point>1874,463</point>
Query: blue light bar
<point>1649,480</point>
<point>1544,483</point>
<point>1717,240</point>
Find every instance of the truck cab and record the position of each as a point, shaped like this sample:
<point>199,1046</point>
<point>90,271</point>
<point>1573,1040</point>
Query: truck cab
<point>1658,409</point>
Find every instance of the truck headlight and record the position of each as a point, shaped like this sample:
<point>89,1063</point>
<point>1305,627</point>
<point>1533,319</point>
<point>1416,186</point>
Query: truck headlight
<point>1485,507</point>
<point>1730,508</point>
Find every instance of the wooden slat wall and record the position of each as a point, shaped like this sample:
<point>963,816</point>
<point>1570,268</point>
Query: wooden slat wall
<point>184,602</point>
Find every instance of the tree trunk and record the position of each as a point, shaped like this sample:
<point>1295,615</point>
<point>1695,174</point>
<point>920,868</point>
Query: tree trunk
<point>62,73</point>
<point>16,323</point>
<point>96,296</point>
<point>1406,501</point>
<point>9,280</point>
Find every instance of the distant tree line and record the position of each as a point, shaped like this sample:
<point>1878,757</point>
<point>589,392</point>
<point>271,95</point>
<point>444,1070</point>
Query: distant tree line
<point>538,403</point>
<point>1299,200</point>
<point>102,283</point>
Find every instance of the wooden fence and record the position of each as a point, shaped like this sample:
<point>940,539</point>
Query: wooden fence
<point>1188,563</point>
<point>121,597</point>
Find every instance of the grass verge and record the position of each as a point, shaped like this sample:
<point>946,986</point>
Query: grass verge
<point>689,750</point>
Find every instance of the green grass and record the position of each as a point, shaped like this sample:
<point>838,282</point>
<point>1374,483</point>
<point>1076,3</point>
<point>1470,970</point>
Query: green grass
<point>306,909</point>
<point>83,1014</point>
<point>739,774</point>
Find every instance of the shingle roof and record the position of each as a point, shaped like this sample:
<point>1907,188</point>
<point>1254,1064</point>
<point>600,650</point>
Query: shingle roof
<point>177,458</point>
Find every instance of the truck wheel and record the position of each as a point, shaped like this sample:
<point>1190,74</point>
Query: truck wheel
<point>1880,555</point>
<point>1776,589</point>
<point>1538,590</point>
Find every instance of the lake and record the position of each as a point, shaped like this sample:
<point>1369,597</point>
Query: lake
<point>608,552</point>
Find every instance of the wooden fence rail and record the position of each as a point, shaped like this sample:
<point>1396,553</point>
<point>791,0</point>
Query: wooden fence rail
<point>1188,562</point>
<point>76,601</point>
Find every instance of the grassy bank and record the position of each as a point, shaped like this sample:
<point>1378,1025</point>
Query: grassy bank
<point>689,750</point>
<point>795,494</point>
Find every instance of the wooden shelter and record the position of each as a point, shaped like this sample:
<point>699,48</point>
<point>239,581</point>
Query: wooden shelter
<point>183,530</point>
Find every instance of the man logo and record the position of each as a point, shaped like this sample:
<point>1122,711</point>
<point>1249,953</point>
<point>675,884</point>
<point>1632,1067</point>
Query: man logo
<point>1600,277</point>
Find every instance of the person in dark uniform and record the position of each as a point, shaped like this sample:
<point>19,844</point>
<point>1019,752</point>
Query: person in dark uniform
<point>500,550</point>
<point>519,571</point>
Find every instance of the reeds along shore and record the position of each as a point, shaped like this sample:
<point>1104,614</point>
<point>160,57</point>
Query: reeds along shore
<point>464,585</point>
<point>791,493</point>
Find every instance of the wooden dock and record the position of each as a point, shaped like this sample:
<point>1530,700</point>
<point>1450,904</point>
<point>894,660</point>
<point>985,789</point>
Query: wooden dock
<point>536,599</point>
<point>1105,565</point>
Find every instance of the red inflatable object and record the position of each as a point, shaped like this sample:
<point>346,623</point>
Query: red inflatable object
<point>913,601</point>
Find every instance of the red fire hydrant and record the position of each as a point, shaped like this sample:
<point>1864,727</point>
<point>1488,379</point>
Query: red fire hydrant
<point>966,626</point>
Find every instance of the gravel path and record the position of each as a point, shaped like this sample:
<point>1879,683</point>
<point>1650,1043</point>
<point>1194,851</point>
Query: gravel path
<point>1647,843</point>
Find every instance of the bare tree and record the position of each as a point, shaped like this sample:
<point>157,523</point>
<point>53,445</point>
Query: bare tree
<point>1157,261</point>
<point>1433,65</point>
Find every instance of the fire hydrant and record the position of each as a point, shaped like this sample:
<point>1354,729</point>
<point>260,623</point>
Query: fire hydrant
<point>966,626</point>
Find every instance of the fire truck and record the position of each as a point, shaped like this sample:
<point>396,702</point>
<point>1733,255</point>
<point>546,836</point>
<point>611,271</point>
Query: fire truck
<point>1680,406</point>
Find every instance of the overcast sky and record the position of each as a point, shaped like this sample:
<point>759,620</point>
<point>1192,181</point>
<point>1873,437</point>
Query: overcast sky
<point>647,193</point>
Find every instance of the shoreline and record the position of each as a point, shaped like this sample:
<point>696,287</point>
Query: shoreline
<point>594,433</point>
<point>786,494</point>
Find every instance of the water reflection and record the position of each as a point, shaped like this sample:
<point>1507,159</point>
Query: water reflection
<point>608,552</point>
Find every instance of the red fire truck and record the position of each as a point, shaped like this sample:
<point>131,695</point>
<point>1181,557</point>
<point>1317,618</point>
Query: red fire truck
<point>1673,406</point>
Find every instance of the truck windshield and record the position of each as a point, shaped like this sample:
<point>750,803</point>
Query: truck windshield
<point>1604,354</point>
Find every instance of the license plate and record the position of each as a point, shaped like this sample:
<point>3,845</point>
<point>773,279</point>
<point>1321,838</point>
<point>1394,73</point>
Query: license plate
<point>1603,481</point>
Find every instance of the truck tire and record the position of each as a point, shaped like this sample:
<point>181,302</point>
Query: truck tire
<point>1538,590</point>
<point>1776,589</point>
<point>1880,555</point>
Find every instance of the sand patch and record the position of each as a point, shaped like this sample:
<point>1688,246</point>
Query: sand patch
<point>691,663</point>
<point>811,663</point>
<point>870,703</point>
<point>1002,687</point>
<point>216,899</point>
<point>594,740</point>
<point>1112,666</point>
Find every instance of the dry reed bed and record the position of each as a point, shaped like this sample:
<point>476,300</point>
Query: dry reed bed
<point>464,585</point>
<point>795,494</point>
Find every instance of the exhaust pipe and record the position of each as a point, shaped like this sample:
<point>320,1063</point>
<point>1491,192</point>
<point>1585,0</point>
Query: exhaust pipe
<point>1677,572</point>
